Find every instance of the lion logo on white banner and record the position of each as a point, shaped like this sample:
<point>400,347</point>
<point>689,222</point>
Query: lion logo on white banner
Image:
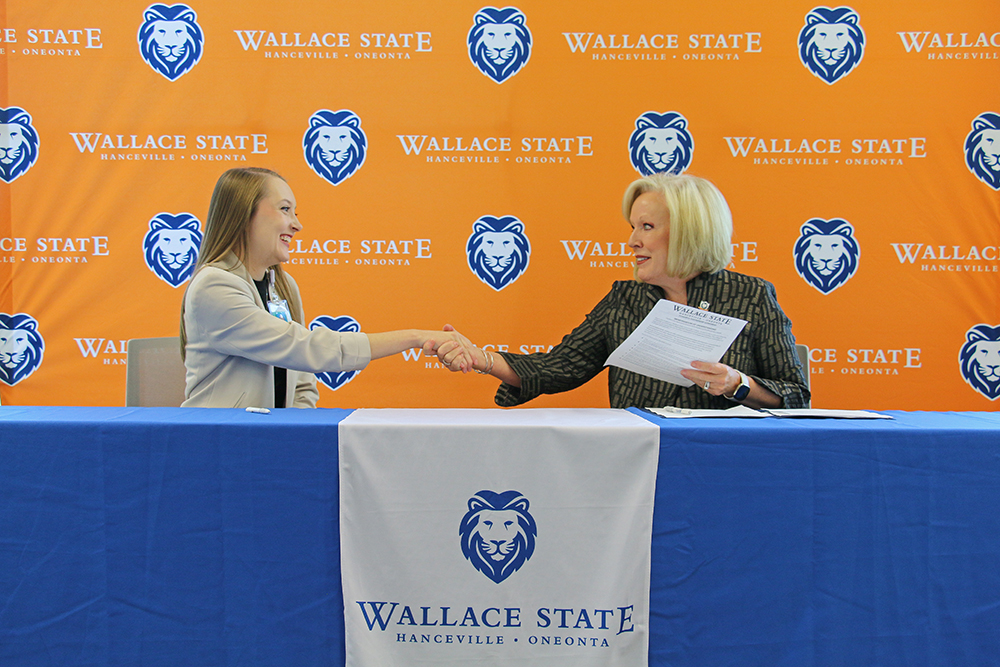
<point>498,533</point>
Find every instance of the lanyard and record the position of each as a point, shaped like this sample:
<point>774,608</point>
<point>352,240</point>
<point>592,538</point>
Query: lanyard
<point>275,306</point>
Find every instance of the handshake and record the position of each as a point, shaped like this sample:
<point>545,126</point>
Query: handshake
<point>455,351</point>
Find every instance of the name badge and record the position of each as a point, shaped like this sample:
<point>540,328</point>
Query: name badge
<point>280,310</point>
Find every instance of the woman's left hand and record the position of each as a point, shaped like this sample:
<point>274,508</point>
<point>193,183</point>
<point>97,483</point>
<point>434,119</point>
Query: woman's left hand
<point>716,379</point>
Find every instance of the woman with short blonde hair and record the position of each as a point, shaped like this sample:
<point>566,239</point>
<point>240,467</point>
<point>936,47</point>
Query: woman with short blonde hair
<point>701,225</point>
<point>681,237</point>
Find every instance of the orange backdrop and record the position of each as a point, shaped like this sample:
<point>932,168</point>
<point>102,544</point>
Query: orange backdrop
<point>117,136</point>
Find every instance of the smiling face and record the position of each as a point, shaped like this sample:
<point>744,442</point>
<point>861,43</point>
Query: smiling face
<point>272,227</point>
<point>650,238</point>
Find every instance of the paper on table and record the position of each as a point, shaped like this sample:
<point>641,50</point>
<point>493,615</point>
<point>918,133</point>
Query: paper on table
<point>671,337</point>
<point>743,411</point>
<point>821,413</point>
<point>735,411</point>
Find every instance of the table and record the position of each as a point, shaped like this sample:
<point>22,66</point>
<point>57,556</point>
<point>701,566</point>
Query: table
<point>171,536</point>
<point>828,542</point>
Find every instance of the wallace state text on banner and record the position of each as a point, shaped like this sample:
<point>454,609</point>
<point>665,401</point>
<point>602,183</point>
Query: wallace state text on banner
<point>489,536</point>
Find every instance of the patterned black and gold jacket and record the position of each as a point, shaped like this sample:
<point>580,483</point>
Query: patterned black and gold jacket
<point>764,350</point>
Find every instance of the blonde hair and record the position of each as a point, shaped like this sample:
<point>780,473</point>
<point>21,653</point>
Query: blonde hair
<point>237,194</point>
<point>701,225</point>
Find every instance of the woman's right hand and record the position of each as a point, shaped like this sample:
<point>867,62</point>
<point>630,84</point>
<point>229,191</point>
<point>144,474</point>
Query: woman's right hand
<point>451,354</point>
<point>454,351</point>
<point>460,350</point>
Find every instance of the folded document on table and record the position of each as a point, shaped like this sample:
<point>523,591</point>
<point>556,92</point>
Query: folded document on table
<point>744,411</point>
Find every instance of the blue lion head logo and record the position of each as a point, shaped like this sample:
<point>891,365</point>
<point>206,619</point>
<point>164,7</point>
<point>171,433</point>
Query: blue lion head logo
<point>982,149</point>
<point>21,347</point>
<point>170,39</point>
<point>660,143</point>
<point>980,360</point>
<point>498,533</point>
<point>498,251</point>
<point>170,247</point>
<point>831,43</point>
<point>343,323</point>
<point>335,145</point>
<point>826,253</point>
<point>18,143</point>
<point>499,42</point>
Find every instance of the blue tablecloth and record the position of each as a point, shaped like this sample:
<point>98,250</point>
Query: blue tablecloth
<point>169,536</point>
<point>813,543</point>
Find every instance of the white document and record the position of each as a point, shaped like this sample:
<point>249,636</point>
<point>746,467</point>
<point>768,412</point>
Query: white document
<point>671,337</point>
<point>744,411</point>
<point>735,411</point>
<point>820,413</point>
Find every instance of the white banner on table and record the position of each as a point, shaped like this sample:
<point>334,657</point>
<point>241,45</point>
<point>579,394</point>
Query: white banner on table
<point>496,537</point>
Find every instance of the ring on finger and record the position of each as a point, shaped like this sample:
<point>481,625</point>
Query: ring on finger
<point>708,384</point>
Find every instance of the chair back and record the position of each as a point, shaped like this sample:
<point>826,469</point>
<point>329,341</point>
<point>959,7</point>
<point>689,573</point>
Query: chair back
<point>803,352</point>
<point>154,373</point>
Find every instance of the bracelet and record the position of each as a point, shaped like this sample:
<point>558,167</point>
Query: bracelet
<point>489,358</point>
